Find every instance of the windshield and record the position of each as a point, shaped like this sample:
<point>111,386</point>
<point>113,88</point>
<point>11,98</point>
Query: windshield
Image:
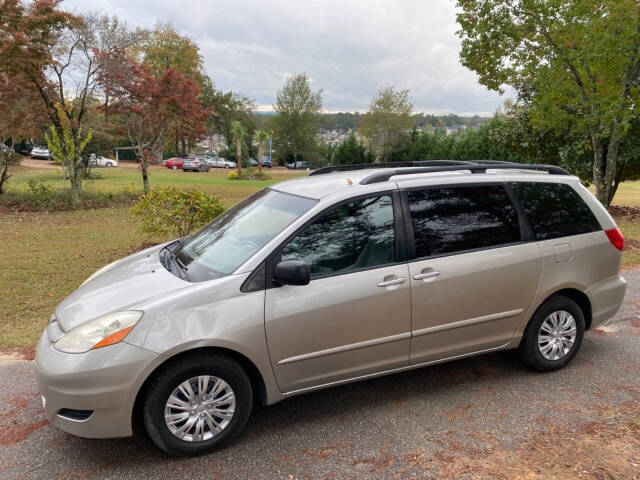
<point>232,238</point>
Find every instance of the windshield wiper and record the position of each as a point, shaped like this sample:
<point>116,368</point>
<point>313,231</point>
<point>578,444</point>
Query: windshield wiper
<point>179,262</point>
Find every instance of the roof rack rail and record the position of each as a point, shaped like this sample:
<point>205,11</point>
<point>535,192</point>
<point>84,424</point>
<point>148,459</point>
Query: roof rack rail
<point>478,167</point>
<point>363,166</point>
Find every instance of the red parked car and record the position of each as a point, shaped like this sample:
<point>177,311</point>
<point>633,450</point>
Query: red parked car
<point>174,163</point>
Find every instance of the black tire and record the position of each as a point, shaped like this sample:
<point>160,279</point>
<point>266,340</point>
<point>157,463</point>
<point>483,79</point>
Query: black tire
<point>174,167</point>
<point>108,165</point>
<point>226,166</point>
<point>183,369</point>
<point>529,349</point>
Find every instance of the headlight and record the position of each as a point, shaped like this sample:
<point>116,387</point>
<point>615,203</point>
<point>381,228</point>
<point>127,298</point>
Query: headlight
<point>99,271</point>
<point>106,330</point>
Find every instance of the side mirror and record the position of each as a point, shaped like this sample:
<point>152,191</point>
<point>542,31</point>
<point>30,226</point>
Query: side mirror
<point>292,272</point>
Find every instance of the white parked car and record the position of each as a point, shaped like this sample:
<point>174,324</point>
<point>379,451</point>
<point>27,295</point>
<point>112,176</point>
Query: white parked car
<point>219,162</point>
<point>41,152</point>
<point>101,161</point>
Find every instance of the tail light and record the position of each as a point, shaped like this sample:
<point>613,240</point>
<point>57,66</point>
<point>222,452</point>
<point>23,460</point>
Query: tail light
<point>616,238</point>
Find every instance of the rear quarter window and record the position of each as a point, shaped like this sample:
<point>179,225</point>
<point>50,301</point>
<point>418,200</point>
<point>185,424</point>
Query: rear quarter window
<point>555,210</point>
<point>455,219</point>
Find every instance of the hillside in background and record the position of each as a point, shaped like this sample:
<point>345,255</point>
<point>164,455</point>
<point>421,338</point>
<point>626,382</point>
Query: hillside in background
<point>347,121</point>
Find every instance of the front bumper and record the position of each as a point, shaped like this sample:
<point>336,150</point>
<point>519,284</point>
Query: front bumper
<point>104,381</point>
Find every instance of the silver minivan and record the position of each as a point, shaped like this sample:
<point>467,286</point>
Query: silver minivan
<point>347,274</point>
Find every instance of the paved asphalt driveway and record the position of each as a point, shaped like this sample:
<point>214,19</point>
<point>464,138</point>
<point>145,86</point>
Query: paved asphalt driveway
<point>485,417</point>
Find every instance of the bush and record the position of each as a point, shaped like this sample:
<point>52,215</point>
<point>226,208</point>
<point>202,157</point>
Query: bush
<point>248,174</point>
<point>43,197</point>
<point>165,211</point>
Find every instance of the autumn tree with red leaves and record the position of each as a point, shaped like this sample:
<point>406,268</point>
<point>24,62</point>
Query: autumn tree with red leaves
<point>57,52</point>
<point>150,106</point>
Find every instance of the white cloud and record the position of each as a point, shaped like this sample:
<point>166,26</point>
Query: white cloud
<point>349,48</point>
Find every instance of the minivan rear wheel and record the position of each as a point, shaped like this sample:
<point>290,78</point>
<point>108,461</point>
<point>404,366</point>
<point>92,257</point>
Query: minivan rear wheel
<point>197,404</point>
<point>554,335</point>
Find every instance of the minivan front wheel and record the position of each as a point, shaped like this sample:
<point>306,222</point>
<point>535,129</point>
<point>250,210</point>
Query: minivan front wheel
<point>554,335</point>
<point>197,404</point>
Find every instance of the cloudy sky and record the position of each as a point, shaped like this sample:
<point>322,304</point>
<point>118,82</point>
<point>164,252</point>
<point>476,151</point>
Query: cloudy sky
<point>349,48</point>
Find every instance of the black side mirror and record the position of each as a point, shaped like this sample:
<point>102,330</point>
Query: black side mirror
<point>292,272</point>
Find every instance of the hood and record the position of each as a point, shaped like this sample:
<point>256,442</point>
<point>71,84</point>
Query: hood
<point>129,283</point>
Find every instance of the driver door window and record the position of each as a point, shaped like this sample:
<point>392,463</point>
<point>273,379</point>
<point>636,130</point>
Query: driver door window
<point>353,236</point>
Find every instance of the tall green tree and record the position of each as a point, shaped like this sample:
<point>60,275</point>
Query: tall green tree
<point>229,107</point>
<point>239,134</point>
<point>386,122</point>
<point>261,136</point>
<point>295,123</point>
<point>164,48</point>
<point>577,62</point>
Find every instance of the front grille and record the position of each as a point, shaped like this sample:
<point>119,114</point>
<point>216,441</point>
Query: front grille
<point>77,415</point>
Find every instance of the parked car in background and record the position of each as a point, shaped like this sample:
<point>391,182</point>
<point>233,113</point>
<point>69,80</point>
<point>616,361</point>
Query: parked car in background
<point>174,163</point>
<point>22,148</point>
<point>266,162</point>
<point>219,162</point>
<point>300,166</point>
<point>40,152</point>
<point>332,278</point>
<point>4,148</point>
<point>195,165</point>
<point>100,161</point>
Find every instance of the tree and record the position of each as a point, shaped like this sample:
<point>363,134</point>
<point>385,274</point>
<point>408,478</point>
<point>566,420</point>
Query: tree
<point>149,105</point>
<point>239,133</point>
<point>164,48</point>
<point>260,137</point>
<point>388,119</point>
<point>18,117</point>
<point>295,123</point>
<point>59,54</point>
<point>229,107</point>
<point>576,62</point>
<point>351,151</point>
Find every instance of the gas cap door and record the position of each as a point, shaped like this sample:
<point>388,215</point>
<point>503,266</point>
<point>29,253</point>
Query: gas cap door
<point>564,253</point>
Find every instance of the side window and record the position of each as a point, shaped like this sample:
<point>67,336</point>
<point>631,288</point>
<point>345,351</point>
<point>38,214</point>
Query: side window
<point>555,210</point>
<point>447,220</point>
<point>356,235</point>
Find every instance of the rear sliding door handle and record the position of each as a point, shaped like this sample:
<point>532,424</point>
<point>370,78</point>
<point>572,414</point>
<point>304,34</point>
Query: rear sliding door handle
<point>423,276</point>
<point>395,281</point>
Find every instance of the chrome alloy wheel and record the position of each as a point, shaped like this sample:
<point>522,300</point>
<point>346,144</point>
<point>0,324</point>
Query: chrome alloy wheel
<point>200,408</point>
<point>557,335</point>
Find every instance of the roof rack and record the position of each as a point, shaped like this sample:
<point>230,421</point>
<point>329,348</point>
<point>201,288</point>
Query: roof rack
<point>363,166</point>
<point>431,166</point>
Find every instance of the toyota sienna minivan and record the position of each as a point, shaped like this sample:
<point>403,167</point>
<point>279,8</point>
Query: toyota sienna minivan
<point>344,275</point>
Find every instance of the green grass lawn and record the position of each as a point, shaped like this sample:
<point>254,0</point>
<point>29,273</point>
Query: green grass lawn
<point>47,255</point>
<point>116,179</point>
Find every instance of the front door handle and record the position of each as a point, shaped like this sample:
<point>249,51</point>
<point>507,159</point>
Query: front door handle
<point>423,276</point>
<point>395,281</point>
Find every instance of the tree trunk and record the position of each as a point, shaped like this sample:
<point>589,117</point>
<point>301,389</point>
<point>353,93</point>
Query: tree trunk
<point>260,157</point>
<point>598,167</point>
<point>145,176</point>
<point>295,160</point>
<point>604,166</point>
<point>239,156</point>
<point>4,174</point>
<point>184,145</point>
<point>76,184</point>
<point>611,164</point>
